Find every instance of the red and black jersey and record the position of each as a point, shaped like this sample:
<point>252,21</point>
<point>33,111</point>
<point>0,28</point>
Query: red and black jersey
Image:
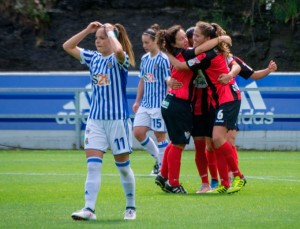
<point>246,71</point>
<point>186,92</point>
<point>213,64</point>
<point>201,100</point>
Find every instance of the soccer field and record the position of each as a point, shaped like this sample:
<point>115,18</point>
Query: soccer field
<point>40,189</point>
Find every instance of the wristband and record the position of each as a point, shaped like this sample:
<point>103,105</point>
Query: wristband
<point>111,34</point>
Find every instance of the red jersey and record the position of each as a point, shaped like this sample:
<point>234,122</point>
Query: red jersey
<point>186,92</point>
<point>200,103</point>
<point>213,64</point>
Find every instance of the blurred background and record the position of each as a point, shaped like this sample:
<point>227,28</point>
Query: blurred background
<point>33,31</point>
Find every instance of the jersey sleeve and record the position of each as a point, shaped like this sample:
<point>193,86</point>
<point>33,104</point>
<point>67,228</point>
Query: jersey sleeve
<point>125,64</point>
<point>86,56</point>
<point>141,74</point>
<point>166,69</point>
<point>195,63</point>
<point>246,71</point>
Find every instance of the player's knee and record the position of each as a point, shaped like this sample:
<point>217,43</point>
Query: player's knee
<point>139,134</point>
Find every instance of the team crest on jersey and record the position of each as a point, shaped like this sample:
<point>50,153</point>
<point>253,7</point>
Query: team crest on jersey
<point>156,66</point>
<point>187,134</point>
<point>109,64</point>
<point>149,77</point>
<point>193,61</point>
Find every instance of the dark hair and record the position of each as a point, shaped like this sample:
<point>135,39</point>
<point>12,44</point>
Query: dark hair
<point>168,37</point>
<point>189,32</point>
<point>152,31</point>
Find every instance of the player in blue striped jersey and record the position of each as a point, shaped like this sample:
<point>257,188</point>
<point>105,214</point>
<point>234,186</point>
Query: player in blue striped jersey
<point>154,71</point>
<point>108,122</point>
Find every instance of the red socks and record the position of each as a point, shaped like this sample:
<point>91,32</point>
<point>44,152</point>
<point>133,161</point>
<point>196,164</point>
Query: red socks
<point>164,167</point>
<point>201,160</point>
<point>235,155</point>
<point>212,164</point>
<point>222,166</point>
<point>225,158</point>
<point>174,162</point>
<point>231,162</point>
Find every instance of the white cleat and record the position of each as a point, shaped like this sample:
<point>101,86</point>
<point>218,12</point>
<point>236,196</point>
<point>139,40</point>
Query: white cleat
<point>84,214</point>
<point>130,214</point>
<point>204,189</point>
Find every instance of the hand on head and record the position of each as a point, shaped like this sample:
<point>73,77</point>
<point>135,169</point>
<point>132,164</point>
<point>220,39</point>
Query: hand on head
<point>94,26</point>
<point>108,27</point>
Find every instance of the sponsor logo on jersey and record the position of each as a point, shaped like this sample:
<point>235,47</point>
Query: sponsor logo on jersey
<point>101,79</point>
<point>193,61</point>
<point>149,77</point>
<point>200,81</point>
<point>254,105</point>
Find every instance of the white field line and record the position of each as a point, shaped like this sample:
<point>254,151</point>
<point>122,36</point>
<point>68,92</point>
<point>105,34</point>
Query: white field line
<point>271,178</point>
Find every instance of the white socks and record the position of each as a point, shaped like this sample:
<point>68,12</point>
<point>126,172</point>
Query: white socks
<point>128,182</point>
<point>161,147</point>
<point>151,147</point>
<point>93,181</point>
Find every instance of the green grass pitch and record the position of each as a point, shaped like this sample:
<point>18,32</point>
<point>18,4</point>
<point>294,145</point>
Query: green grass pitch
<point>40,189</point>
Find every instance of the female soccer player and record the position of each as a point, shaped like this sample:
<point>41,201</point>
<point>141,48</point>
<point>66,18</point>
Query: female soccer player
<point>108,122</point>
<point>152,89</point>
<point>177,108</point>
<point>246,73</point>
<point>225,99</point>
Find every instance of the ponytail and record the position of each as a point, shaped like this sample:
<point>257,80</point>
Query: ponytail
<point>123,38</point>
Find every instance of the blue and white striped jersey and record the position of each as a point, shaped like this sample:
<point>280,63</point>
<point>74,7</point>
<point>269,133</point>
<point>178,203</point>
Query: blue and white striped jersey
<point>154,70</point>
<point>109,80</point>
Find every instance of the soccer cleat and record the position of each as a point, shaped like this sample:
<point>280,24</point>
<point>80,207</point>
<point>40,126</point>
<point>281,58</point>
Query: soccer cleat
<point>130,214</point>
<point>155,170</point>
<point>214,183</point>
<point>174,189</point>
<point>161,181</point>
<point>84,214</point>
<point>219,190</point>
<point>245,181</point>
<point>236,185</point>
<point>203,189</point>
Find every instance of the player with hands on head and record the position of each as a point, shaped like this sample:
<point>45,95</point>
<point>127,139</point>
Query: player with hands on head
<point>108,123</point>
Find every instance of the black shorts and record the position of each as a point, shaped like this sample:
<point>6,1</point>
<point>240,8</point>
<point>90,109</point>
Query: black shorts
<point>178,116</point>
<point>227,114</point>
<point>202,126</point>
